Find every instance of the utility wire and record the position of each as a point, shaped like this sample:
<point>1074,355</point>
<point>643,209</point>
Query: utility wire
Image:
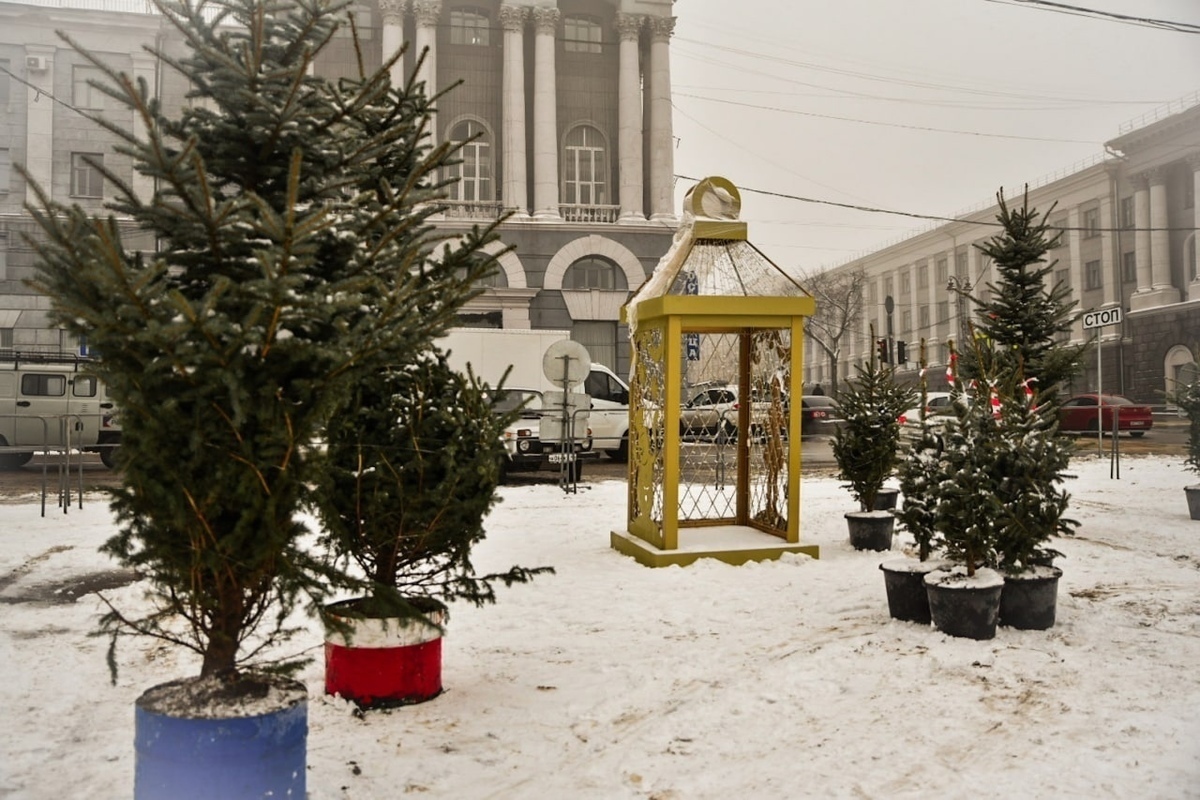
<point>1108,16</point>
<point>933,217</point>
<point>891,124</point>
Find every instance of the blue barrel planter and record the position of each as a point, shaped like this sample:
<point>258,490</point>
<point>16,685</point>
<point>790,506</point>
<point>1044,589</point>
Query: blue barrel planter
<point>191,758</point>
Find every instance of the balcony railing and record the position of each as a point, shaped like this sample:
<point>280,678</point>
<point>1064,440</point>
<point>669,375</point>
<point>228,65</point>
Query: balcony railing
<point>472,209</point>
<point>574,212</point>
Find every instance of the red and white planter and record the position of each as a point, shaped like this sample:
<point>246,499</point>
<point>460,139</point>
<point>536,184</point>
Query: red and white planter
<point>385,662</point>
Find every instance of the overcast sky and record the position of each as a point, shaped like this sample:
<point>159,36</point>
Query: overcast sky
<point>924,106</point>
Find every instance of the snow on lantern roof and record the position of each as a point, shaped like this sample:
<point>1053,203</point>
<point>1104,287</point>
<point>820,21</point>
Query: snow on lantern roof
<point>711,254</point>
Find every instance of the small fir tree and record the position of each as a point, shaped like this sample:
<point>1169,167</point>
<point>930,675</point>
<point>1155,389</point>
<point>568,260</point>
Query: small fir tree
<point>293,256</point>
<point>413,466</point>
<point>920,471</point>
<point>1188,399</point>
<point>968,506</point>
<point>1028,314</point>
<point>866,445</point>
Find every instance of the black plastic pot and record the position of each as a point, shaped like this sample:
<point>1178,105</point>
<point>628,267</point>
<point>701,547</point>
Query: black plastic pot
<point>871,530</point>
<point>962,607</point>
<point>1029,601</point>
<point>904,581</point>
<point>1193,498</point>
<point>885,499</point>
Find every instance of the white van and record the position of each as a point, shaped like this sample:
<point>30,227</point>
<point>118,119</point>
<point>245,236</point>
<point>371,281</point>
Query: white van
<point>53,401</point>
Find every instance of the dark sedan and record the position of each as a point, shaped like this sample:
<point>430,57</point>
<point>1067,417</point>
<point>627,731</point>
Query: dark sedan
<point>819,415</point>
<point>1089,412</point>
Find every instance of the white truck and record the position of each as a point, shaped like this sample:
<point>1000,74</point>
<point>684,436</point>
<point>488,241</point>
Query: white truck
<point>52,402</point>
<point>491,351</point>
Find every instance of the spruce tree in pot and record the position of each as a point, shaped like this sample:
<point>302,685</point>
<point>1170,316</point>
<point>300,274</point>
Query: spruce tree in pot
<point>920,472</point>
<point>866,448</point>
<point>1188,400</point>
<point>288,246</point>
<point>964,596</point>
<point>413,466</point>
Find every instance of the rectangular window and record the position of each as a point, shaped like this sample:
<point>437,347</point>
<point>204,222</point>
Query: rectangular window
<point>1091,272</point>
<point>1063,277</point>
<point>1129,267</point>
<point>86,180</point>
<point>83,94</point>
<point>923,276</point>
<point>923,318</point>
<point>35,385</point>
<point>581,35</point>
<point>943,271</point>
<point>5,169</point>
<point>943,311</point>
<point>887,288</point>
<point>469,27</point>
<point>1189,191</point>
<point>905,283</point>
<point>960,265</point>
<point>84,386</point>
<point>906,324</point>
<point>5,66</point>
<point>1091,223</point>
<point>1059,228</point>
<point>3,255</point>
<point>6,338</point>
<point>1127,214</point>
<point>873,293</point>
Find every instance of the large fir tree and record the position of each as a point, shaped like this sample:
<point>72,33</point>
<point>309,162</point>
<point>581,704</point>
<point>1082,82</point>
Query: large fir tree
<point>1028,313</point>
<point>293,254</point>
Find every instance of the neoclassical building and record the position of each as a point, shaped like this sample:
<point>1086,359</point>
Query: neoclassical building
<point>566,106</point>
<point>1128,220</point>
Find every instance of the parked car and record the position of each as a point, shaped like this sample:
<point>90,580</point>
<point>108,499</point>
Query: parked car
<point>710,410</point>
<point>819,415</point>
<point>1087,412</point>
<point>936,404</point>
<point>524,449</point>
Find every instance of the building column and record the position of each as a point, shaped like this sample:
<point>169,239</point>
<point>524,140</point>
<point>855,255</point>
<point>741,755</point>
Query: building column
<point>392,36</point>
<point>1194,287</point>
<point>629,113</point>
<point>39,124</point>
<point>662,137</point>
<point>515,192</point>
<point>1141,233</point>
<point>1154,244</point>
<point>545,115</point>
<point>427,14</point>
<point>1110,273</point>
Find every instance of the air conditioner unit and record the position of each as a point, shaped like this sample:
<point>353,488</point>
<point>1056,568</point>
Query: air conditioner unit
<point>35,63</point>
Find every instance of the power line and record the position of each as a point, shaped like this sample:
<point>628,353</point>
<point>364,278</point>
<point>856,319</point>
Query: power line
<point>891,124</point>
<point>1108,16</point>
<point>931,217</point>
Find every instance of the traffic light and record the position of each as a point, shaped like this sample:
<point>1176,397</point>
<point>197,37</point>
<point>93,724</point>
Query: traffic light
<point>901,351</point>
<point>881,345</point>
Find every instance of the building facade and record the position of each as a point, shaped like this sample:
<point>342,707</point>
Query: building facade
<point>564,108</point>
<point>1128,222</point>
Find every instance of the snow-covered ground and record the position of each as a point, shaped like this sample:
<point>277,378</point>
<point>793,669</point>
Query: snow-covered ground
<point>610,680</point>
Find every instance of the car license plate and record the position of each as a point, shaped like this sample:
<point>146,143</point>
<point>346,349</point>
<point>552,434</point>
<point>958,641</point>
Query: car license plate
<point>559,458</point>
<point>1137,423</point>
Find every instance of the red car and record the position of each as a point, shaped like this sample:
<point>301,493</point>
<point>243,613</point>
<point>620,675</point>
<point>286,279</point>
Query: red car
<point>1084,411</point>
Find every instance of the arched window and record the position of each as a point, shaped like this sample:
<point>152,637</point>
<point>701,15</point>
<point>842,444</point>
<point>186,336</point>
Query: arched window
<point>470,26</point>
<point>585,167</point>
<point>581,35</point>
<point>594,272</point>
<point>474,174</point>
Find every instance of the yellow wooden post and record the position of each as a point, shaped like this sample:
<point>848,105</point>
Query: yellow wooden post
<point>672,345</point>
<point>795,412</point>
